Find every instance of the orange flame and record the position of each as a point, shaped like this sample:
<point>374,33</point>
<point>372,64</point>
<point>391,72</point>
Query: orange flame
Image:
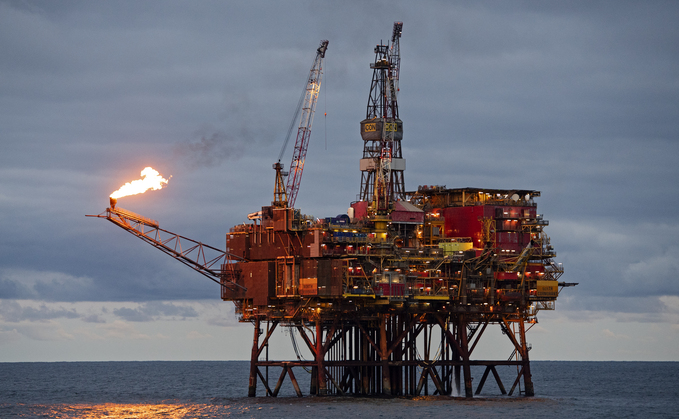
<point>151,179</point>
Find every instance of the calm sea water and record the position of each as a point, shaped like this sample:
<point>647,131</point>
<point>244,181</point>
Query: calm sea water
<point>218,389</point>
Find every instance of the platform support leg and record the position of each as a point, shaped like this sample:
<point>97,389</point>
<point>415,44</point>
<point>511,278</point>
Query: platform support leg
<point>464,345</point>
<point>386,380</point>
<point>252,387</point>
<point>320,355</point>
<point>527,379</point>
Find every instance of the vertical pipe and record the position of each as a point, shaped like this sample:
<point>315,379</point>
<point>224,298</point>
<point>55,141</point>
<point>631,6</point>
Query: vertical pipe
<point>386,381</point>
<point>313,383</point>
<point>456,356</point>
<point>322,388</point>
<point>427,344</point>
<point>374,382</point>
<point>351,357</point>
<point>375,377</point>
<point>364,369</point>
<point>457,380</point>
<point>464,345</point>
<point>358,353</point>
<point>444,368</point>
<point>357,357</point>
<point>333,357</point>
<point>450,368</point>
<point>390,337</point>
<point>252,387</point>
<point>345,357</point>
<point>398,356</point>
<point>413,357</point>
<point>406,367</point>
<point>267,350</point>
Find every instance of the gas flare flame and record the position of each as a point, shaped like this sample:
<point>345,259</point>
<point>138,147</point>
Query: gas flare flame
<point>151,179</point>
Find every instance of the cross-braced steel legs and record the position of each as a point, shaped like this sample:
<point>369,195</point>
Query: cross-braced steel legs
<point>394,354</point>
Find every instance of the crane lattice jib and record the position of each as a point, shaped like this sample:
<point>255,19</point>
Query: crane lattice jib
<point>384,175</point>
<point>395,58</point>
<point>313,87</point>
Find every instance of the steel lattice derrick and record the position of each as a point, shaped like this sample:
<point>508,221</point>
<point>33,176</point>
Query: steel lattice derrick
<point>382,164</point>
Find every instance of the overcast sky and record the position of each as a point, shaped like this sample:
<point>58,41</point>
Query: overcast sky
<point>579,100</point>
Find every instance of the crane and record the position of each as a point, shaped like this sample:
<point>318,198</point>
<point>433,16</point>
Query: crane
<point>286,196</point>
<point>395,57</point>
<point>384,175</point>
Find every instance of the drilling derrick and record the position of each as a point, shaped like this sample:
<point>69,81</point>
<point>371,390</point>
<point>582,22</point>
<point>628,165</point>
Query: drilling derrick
<point>393,297</point>
<point>382,165</point>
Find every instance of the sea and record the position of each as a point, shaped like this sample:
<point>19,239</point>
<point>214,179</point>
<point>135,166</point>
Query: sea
<point>206,389</point>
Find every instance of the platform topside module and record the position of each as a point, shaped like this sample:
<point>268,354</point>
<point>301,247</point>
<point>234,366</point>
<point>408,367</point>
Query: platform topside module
<point>455,250</point>
<point>366,289</point>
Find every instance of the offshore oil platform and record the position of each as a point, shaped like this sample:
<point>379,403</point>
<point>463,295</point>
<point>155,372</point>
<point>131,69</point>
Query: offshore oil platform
<point>393,296</point>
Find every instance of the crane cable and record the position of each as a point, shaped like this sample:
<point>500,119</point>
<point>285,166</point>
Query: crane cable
<point>293,122</point>
<point>325,105</point>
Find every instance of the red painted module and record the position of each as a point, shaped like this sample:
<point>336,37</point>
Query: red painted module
<point>406,213</point>
<point>360,209</point>
<point>464,222</point>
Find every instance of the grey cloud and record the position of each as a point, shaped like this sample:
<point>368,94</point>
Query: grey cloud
<point>640,260</point>
<point>115,287</point>
<point>168,309</point>
<point>222,321</point>
<point>644,308</point>
<point>92,318</point>
<point>153,310</point>
<point>38,331</point>
<point>13,312</point>
<point>133,315</point>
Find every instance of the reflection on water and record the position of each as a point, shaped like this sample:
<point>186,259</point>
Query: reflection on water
<point>288,407</point>
<point>141,411</point>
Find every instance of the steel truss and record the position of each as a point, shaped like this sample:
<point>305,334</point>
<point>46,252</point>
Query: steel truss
<point>392,354</point>
<point>198,256</point>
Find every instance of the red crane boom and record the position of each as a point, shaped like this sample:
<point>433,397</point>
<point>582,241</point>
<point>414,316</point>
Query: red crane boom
<point>313,87</point>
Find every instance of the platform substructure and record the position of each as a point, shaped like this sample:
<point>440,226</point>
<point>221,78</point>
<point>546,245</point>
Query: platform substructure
<point>393,354</point>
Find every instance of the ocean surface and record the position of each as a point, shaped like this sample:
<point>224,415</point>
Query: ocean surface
<point>219,390</point>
